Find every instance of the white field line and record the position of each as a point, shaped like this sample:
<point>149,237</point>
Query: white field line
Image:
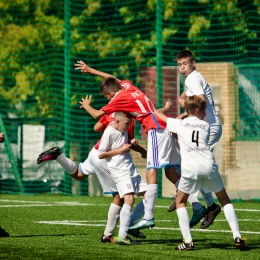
<point>76,203</point>
<point>79,223</point>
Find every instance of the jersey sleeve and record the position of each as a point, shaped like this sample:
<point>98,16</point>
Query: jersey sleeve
<point>194,84</point>
<point>172,124</point>
<point>104,142</point>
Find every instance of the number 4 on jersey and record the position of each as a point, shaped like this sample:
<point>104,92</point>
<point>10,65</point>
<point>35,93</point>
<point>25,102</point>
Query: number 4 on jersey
<point>195,139</point>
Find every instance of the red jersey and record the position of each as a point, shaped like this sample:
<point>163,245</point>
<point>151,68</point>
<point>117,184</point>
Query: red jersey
<point>134,102</point>
<point>107,119</point>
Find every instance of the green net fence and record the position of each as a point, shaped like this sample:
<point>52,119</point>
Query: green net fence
<point>137,40</point>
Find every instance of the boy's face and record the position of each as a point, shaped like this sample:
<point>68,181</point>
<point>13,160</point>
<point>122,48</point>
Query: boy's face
<point>186,66</point>
<point>123,124</point>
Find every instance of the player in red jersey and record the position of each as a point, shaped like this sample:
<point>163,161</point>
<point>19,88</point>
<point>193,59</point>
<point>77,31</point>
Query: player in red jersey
<point>162,148</point>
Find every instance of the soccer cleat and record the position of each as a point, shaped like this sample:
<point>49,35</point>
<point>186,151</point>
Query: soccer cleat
<point>136,233</point>
<point>126,241</point>
<point>48,155</point>
<point>3,233</point>
<point>143,224</point>
<point>210,217</point>
<point>241,244</point>
<point>172,207</point>
<point>197,216</point>
<point>108,239</point>
<point>185,246</point>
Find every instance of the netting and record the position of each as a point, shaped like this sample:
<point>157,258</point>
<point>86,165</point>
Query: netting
<point>137,40</point>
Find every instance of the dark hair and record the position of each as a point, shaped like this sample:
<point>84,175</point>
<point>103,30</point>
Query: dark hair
<point>194,102</point>
<point>109,84</point>
<point>185,54</point>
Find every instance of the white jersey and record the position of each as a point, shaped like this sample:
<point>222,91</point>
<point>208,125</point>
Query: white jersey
<point>120,166</point>
<point>195,84</point>
<point>196,158</point>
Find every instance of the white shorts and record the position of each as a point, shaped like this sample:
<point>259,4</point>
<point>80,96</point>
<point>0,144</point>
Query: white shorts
<point>214,135</point>
<point>135,184</point>
<point>189,186</point>
<point>94,165</point>
<point>162,149</point>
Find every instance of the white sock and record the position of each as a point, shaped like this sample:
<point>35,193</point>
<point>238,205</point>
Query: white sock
<point>208,198</point>
<point>67,164</point>
<point>184,222</point>
<point>138,212</point>
<point>125,216</point>
<point>112,219</point>
<point>231,218</point>
<point>150,195</point>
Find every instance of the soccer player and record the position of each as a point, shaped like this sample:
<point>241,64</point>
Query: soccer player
<point>198,168</point>
<point>93,165</point>
<point>115,149</point>
<point>162,148</point>
<point>195,84</point>
<point>3,233</point>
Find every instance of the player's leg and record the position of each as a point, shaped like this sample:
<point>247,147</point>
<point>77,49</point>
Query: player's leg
<point>140,188</point>
<point>112,218</point>
<point>126,190</point>
<point>231,218</point>
<point>159,148</point>
<point>182,213</point>
<point>109,187</point>
<point>67,164</point>
<point>213,209</point>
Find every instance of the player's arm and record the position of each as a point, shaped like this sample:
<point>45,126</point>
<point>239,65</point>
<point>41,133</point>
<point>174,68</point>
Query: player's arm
<point>85,103</point>
<point>166,108</point>
<point>182,98</point>
<point>99,127</point>
<point>84,68</point>
<point>124,149</point>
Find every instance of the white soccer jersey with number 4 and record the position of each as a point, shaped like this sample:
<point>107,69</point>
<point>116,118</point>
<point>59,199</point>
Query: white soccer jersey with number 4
<point>196,157</point>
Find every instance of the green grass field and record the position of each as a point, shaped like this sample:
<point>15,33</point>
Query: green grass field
<point>64,227</point>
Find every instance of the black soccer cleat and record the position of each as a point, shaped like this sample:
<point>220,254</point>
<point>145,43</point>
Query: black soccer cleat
<point>210,217</point>
<point>108,239</point>
<point>136,233</point>
<point>185,246</point>
<point>241,244</point>
<point>49,155</point>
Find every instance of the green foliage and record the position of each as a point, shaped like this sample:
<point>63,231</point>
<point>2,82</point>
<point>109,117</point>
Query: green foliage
<point>118,37</point>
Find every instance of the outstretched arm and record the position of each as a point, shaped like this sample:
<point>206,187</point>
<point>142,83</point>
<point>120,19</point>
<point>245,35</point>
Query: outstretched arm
<point>166,108</point>
<point>85,103</point>
<point>84,68</point>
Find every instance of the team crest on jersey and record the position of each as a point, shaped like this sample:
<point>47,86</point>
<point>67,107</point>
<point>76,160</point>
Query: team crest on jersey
<point>136,93</point>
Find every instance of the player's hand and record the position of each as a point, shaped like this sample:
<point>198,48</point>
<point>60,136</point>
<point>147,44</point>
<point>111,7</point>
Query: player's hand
<point>85,101</point>
<point>83,67</point>
<point>125,148</point>
<point>2,137</point>
<point>168,105</point>
<point>134,142</point>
